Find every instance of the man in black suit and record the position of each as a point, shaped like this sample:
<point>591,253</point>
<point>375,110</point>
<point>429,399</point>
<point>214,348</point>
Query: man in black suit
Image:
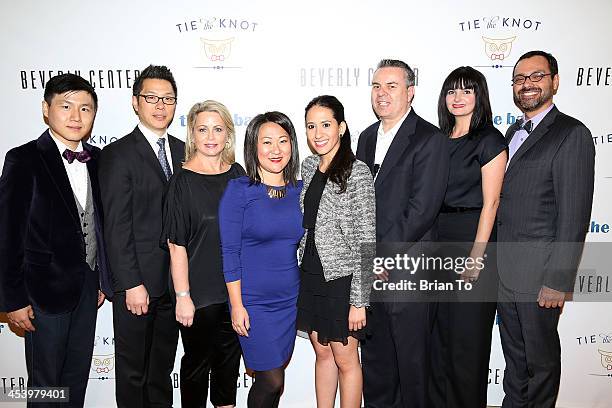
<point>134,172</point>
<point>409,159</point>
<point>543,217</point>
<point>52,257</point>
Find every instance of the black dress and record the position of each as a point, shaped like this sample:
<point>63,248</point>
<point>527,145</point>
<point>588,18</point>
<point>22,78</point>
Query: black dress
<point>190,219</point>
<point>461,339</point>
<point>323,306</point>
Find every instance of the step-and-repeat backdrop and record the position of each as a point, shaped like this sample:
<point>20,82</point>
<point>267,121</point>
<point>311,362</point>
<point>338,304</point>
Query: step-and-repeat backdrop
<point>276,55</point>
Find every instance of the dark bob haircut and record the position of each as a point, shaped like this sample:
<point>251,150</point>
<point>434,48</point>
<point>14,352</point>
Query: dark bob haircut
<point>466,78</point>
<point>552,61</point>
<point>250,146</point>
<point>63,83</point>
<point>154,72</point>
<point>341,165</point>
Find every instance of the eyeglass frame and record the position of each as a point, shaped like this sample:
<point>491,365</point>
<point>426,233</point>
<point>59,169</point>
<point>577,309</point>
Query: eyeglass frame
<point>158,99</point>
<point>540,74</point>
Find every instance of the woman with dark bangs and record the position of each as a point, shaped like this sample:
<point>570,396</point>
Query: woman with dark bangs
<point>340,220</point>
<point>461,341</point>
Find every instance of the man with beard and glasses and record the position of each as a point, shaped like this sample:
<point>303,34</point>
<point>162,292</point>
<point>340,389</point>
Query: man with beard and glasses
<point>542,220</point>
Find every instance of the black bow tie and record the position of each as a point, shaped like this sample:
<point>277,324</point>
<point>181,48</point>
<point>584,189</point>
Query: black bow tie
<point>527,126</point>
<point>82,156</point>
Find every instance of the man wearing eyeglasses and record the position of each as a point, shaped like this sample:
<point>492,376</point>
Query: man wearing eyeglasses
<point>542,219</point>
<point>134,172</point>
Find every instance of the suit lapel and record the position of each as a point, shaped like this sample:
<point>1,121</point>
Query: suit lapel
<point>511,131</point>
<point>148,155</point>
<point>92,171</point>
<point>177,150</point>
<point>533,138</point>
<point>398,146</point>
<point>57,173</point>
<point>370,148</point>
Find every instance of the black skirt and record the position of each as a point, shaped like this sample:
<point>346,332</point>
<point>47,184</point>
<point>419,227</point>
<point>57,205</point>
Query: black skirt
<point>323,306</point>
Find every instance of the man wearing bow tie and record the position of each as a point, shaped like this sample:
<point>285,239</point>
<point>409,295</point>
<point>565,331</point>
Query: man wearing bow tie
<point>134,172</point>
<point>53,271</point>
<point>542,219</point>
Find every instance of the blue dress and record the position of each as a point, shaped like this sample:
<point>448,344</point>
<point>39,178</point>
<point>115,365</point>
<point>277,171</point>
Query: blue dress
<point>259,240</point>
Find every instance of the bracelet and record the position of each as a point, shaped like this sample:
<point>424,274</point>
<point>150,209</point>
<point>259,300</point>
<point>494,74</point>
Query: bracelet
<point>182,293</point>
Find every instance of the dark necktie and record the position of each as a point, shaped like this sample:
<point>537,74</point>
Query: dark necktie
<point>375,170</point>
<point>83,156</point>
<point>527,126</point>
<point>163,160</point>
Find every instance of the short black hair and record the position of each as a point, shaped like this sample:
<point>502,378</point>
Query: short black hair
<point>60,84</point>
<point>552,61</point>
<point>465,78</point>
<point>154,72</point>
<point>251,161</point>
<point>393,63</point>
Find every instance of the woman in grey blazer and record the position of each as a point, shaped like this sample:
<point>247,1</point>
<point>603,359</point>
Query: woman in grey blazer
<point>336,252</point>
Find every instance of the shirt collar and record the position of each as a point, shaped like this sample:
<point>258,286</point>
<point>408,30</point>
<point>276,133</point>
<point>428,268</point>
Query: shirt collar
<point>61,146</point>
<point>151,136</point>
<point>538,118</point>
<point>391,132</point>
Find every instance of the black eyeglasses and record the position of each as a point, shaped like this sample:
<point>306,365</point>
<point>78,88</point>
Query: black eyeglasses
<point>535,77</point>
<point>167,100</point>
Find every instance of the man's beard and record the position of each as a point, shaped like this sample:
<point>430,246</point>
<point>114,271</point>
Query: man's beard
<point>532,104</point>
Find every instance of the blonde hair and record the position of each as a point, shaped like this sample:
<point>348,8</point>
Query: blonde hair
<point>227,155</point>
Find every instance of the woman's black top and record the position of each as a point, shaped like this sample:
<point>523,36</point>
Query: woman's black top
<point>468,154</point>
<point>190,219</point>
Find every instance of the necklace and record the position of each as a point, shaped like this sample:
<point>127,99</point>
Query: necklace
<point>276,193</point>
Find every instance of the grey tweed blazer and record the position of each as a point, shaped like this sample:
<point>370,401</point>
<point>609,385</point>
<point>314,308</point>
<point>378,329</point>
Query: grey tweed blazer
<point>345,222</point>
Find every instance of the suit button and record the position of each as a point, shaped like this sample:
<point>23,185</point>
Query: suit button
<point>501,195</point>
<point>499,223</point>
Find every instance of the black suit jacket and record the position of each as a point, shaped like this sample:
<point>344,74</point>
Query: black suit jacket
<point>42,249</point>
<point>133,186</point>
<point>545,205</point>
<point>411,182</point>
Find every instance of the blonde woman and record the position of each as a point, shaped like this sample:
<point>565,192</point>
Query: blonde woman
<point>191,231</point>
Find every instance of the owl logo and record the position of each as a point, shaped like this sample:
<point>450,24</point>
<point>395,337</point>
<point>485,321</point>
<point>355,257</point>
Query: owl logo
<point>498,48</point>
<point>103,364</point>
<point>606,359</point>
<point>217,50</point>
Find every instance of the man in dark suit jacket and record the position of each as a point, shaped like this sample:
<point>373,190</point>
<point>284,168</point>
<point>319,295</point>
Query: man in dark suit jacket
<point>52,257</point>
<point>134,172</point>
<point>543,217</point>
<point>409,159</point>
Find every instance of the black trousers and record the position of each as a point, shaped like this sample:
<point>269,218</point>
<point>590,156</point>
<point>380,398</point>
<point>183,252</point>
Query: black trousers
<point>532,351</point>
<point>461,346</point>
<point>58,353</point>
<point>395,356</point>
<point>461,338</point>
<point>211,350</point>
<point>145,347</point>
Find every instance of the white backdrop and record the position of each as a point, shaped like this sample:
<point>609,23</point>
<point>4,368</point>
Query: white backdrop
<point>277,55</point>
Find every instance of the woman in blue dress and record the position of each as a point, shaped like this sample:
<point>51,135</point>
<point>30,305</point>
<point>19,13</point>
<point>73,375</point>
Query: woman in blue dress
<point>260,226</point>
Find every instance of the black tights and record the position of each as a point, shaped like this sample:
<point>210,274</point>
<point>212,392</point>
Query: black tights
<point>267,388</point>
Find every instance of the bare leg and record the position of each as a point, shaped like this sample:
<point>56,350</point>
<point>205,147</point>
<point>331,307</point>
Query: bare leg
<point>349,372</point>
<point>326,373</point>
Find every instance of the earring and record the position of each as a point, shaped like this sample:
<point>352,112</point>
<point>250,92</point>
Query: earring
<point>227,145</point>
<point>341,134</point>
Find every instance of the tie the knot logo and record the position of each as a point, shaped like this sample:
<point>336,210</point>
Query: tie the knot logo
<point>216,50</point>
<point>498,48</point>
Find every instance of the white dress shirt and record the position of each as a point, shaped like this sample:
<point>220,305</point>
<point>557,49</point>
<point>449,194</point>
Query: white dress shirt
<point>384,139</point>
<point>76,171</point>
<point>152,138</point>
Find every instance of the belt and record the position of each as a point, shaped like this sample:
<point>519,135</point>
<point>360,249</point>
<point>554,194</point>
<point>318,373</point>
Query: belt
<point>447,209</point>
